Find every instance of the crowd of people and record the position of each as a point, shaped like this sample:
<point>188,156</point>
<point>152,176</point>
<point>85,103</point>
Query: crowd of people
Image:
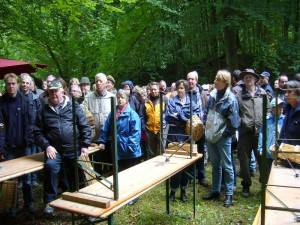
<point>34,120</point>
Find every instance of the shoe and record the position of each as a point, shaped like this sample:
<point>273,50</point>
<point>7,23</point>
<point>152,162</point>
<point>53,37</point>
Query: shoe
<point>183,197</point>
<point>203,183</point>
<point>246,192</point>
<point>211,196</point>
<point>133,201</point>
<point>48,209</point>
<point>228,202</point>
<point>252,173</point>
<point>172,196</point>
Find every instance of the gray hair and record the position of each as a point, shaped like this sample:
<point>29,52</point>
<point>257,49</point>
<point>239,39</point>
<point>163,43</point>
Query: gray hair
<point>122,93</point>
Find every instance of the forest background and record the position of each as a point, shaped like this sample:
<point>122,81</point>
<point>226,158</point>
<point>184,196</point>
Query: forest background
<point>149,40</point>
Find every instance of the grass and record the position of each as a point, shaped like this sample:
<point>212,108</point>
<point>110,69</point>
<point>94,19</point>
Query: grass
<point>151,209</point>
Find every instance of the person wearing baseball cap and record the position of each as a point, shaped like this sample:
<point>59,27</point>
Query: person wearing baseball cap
<point>53,133</point>
<point>276,108</point>
<point>250,100</point>
<point>264,83</point>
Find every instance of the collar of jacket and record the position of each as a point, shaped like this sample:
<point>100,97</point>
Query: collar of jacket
<point>65,102</point>
<point>246,94</point>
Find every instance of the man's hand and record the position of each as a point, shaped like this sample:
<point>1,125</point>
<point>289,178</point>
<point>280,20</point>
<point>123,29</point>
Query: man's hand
<point>84,152</point>
<point>101,147</point>
<point>51,152</point>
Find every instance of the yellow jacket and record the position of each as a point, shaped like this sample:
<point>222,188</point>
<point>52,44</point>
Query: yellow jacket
<point>153,116</point>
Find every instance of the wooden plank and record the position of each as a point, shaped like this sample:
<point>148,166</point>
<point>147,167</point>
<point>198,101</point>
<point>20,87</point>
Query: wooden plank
<point>287,190</point>
<point>27,164</point>
<point>87,199</point>
<point>179,152</point>
<point>288,152</point>
<point>132,183</point>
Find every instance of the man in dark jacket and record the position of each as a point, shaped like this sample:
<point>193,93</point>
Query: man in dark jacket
<point>17,126</point>
<point>54,135</point>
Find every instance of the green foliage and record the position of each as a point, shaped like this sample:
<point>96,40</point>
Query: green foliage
<point>151,39</point>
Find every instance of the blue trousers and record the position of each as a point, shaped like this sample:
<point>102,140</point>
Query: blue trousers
<point>51,170</point>
<point>220,156</point>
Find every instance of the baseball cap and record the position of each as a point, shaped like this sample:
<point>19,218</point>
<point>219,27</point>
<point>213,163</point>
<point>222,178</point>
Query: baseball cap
<point>55,84</point>
<point>273,102</point>
<point>265,74</point>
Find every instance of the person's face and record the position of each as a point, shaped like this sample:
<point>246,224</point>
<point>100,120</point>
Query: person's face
<point>56,96</point>
<point>163,86</point>
<point>25,86</point>
<point>49,80</point>
<point>122,101</point>
<point>219,84</point>
<point>192,81</point>
<point>277,110</point>
<point>75,92</point>
<point>181,91</point>
<point>291,97</point>
<point>276,84</point>
<point>100,84</point>
<point>44,85</point>
<point>249,80</point>
<point>12,86</point>
<point>127,89</point>
<point>85,88</point>
<point>154,90</point>
<point>282,81</point>
<point>73,84</point>
<point>109,85</point>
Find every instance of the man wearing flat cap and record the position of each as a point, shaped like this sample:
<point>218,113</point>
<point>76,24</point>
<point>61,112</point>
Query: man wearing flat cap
<point>264,83</point>
<point>110,84</point>
<point>250,100</point>
<point>53,133</point>
<point>85,86</point>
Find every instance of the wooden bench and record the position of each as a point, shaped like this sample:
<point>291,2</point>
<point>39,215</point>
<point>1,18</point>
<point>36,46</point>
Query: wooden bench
<point>283,190</point>
<point>27,164</point>
<point>133,182</point>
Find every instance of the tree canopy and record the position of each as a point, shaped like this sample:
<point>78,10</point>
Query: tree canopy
<point>147,40</point>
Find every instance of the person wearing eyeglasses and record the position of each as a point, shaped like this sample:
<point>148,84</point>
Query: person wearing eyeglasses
<point>291,124</point>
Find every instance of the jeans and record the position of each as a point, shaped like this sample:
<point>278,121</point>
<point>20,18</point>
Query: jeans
<point>51,170</point>
<point>252,162</point>
<point>220,156</point>
<point>13,153</point>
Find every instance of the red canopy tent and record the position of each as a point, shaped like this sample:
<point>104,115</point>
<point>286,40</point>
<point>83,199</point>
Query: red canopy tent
<point>17,67</point>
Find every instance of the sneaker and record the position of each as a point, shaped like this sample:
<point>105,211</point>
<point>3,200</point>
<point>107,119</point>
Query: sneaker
<point>48,209</point>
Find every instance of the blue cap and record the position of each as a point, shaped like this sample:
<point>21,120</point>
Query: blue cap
<point>265,74</point>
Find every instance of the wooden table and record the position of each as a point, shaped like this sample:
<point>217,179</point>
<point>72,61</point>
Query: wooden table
<point>287,191</point>
<point>133,182</point>
<point>26,164</point>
